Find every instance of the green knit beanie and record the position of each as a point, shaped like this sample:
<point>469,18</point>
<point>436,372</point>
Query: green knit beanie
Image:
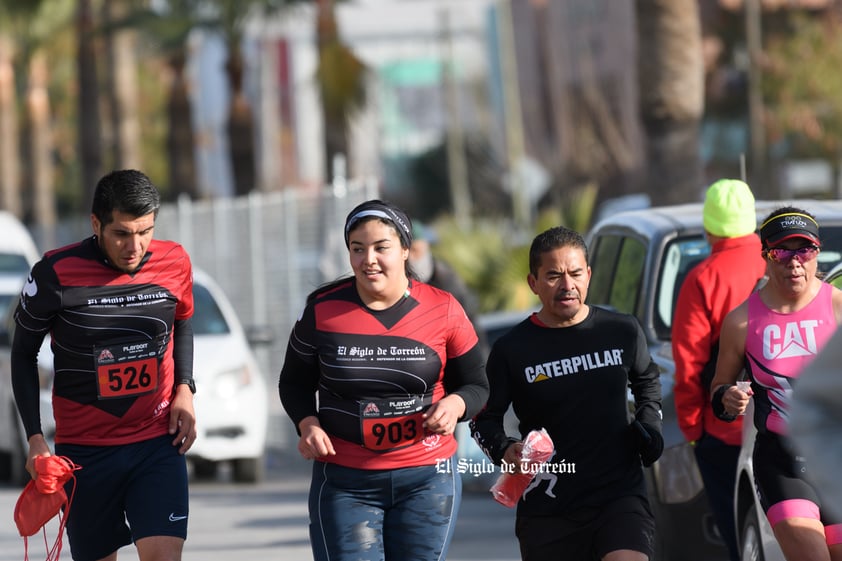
<point>729,209</point>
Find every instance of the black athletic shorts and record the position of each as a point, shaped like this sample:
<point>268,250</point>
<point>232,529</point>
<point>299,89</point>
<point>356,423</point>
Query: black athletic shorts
<point>588,534</point>
<point>125,493</point>
<point>782,487</point>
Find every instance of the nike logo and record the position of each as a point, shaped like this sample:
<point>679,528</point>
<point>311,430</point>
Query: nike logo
<point>174,518</point>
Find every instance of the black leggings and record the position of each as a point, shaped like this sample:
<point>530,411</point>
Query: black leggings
<point>780,477</point>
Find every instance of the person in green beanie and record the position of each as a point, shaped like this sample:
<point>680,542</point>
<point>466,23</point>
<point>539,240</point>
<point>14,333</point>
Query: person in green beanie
<point>712,289</point>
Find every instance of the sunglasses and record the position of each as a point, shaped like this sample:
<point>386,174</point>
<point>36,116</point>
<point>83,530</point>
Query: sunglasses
<point>802,254</point>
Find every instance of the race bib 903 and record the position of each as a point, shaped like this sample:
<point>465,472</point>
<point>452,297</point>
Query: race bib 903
<point>388,424</point>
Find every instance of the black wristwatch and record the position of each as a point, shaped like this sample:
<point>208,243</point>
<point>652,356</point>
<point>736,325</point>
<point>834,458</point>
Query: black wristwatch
<point>189,382</point>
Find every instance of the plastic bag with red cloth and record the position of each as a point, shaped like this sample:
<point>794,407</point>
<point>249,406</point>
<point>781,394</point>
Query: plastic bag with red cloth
<point>537,449</point>
<point>43,498</point>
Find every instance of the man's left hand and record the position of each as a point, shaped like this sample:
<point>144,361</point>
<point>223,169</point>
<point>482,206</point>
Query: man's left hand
<point>183,419</point>
<point>650,442</point>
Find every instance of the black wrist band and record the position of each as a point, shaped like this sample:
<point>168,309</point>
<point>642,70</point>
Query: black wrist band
<point>189,382</point>
<point>718,406</point>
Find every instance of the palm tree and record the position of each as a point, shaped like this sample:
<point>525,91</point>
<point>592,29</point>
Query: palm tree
<point>121,90</point>
<point>231,17</point>
<point>90,139</point>
<point>31,192</point>
<point>39,144</point>
<point>168,29</point>
<point>341,78</point>
<point>671,77</point>
<point>40,27</point>
<point>9,149</point>
<point>10,155</point>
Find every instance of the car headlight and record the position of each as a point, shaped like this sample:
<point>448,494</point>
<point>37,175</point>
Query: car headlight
<point>226,384</point>
<point>677,476</point>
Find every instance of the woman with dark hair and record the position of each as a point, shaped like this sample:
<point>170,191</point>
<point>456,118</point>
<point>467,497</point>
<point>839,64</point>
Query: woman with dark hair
<point>775,334</point>
<point>379,369</point>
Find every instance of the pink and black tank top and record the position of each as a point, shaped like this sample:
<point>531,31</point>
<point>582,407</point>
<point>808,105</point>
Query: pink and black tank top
<point>778,348</point>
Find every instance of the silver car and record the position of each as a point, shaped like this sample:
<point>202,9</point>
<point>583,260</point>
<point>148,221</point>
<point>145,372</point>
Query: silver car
<point>639,260</point>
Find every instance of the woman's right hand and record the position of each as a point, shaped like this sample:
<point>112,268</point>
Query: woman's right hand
<point>314,442</point>
<point>735,400</point>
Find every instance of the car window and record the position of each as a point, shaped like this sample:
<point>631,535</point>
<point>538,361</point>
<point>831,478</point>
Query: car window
<point>617,272</point>
<point>5,303</point>
<point>683,254</point>
<point>207,317</point>
<point>14,263</point>
<point>603,255</point>
<point>628,277</point>
<point>680,255</point>
<point>831,252</point>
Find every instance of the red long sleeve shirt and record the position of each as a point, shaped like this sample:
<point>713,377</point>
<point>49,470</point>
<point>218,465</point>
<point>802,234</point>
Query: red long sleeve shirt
<point>712,289</point>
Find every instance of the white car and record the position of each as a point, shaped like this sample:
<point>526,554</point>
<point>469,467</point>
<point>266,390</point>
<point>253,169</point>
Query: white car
<point>231,399</point>
<point>232,403</point>
<point>17,255</point>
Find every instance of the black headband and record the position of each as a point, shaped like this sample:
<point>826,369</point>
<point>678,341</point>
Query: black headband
<point>789,225</point>
<point>385,211</point>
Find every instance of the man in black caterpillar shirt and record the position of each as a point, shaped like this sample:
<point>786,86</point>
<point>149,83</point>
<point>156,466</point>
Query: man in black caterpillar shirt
<point>567,368</point>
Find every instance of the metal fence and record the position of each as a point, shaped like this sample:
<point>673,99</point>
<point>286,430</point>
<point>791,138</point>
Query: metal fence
<point>267,251</point>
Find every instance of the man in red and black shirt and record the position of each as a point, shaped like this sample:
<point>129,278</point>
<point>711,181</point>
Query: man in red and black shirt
<point>117,307</point>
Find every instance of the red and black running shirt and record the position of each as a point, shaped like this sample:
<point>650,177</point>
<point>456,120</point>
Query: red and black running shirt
<point>111,337</point>
<point>377,371</point>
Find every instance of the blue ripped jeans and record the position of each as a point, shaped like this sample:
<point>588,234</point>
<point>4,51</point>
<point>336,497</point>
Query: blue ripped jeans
<point>405,514</point>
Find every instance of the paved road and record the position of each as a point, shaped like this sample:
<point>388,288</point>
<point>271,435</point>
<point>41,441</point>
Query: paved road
<point>267,522</point>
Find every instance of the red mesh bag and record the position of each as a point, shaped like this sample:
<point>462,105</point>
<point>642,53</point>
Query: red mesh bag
<point>43,498</point>
<point>537,449</point>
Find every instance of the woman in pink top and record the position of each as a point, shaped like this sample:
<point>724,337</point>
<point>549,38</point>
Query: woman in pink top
<point>774,334</point>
